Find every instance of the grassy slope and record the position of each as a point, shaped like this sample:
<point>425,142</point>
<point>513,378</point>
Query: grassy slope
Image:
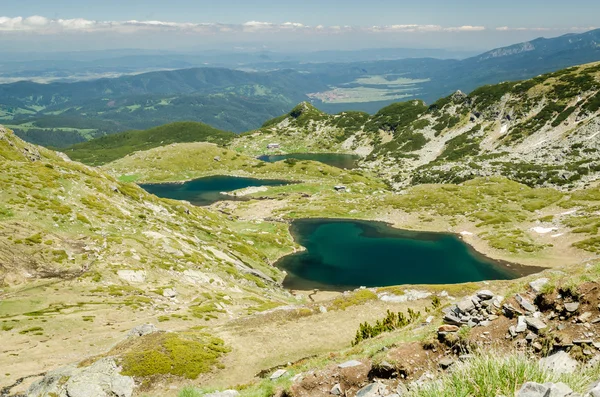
<point>67,230</point>
<point>111,147</point>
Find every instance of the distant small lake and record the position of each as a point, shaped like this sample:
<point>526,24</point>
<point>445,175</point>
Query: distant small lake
<point>345,161</point>
<point>344,254</point>
<point>205,191</point>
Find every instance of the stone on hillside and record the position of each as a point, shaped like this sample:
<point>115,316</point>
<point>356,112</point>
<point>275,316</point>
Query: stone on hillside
<point>538,284</point>
<point>521,325</point>
<point>336,390</point>
<point>595,390</point>
<point>531,337</point>
<point>510,311</point>
<point>558,390</point>
<point>560,363</point>
<point>584,317</point>
<point>101,379</point>
<point>350,364</point>
<point>278,374</point>
<point>170,293</point>
<point>525,304</point>
<point>485,294</point>
<point>142,330</point>
<point>572,307</point>
<point>450,318</point>
<point>535,323</point>
<point>446,362</point>
<point>224,393</point>
<point>371,390</point>
<point>532,389</point>
<point>465,305</point>
<point>448,328</point>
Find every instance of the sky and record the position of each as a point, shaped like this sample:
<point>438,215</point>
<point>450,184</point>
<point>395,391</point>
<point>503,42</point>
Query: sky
<point>283,25</point>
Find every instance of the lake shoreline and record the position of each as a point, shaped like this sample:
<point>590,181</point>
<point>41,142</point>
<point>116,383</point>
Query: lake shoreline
<point>509,270</point>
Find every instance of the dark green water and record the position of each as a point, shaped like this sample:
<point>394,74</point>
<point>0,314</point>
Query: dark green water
<point>205,191</point>
<point>346,161</point>
<point>343,254</point>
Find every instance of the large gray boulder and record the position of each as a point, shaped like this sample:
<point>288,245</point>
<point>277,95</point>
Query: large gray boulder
<point>560,363</point>
<point>532,389</point>
<point>101,379</point>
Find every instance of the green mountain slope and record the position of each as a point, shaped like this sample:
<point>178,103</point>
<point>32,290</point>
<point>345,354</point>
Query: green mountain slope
<point>111,147</point>
<point>539,132</point>
<point>84,258</point>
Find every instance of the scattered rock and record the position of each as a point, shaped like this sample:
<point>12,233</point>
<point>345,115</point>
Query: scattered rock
<point>142,330</point>
<point>535,323</point>
<point>446,363</point>
<point>278,374</point>
<point>560,363</point>
<point>532,389</point>
<point>584,317</point>
<point>572,307</point>
<point>350,364</point>
<point>538,284</point>
<point>336,390</point>
<point>521,325</point>
<point>525,304</point>
<point>510,311</point>
<point>465,305</point>
<point>371,390</point>
<point>170,293</point>
<point>452,319</point>
<point>448,328</point>
<point>485,294</point>
<point>558,390</point>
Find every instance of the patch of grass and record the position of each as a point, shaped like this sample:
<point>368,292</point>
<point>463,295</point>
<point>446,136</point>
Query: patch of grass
<point>492,374</point>
<point>185,355</point>
<point>352,299</point>
<point>390,322</point>
<point>34,330</point>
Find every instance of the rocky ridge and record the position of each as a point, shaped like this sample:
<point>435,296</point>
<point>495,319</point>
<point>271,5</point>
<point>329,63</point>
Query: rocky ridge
<point>539,132</point>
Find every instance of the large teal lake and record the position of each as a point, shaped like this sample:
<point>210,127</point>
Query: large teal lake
<point>346,161</point>
<point>205,191</point>
<point>343,254</point>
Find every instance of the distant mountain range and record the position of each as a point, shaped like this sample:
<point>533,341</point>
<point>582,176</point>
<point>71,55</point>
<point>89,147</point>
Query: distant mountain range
<point>60,114</point>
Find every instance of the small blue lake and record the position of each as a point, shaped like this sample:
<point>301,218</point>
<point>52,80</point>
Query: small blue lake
<point>205,191</point>
<point>345,254</point>
<point>345,161</point>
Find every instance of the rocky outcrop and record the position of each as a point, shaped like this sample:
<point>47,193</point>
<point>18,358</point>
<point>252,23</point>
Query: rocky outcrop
<point>101,379</point>
<point>475,310</point>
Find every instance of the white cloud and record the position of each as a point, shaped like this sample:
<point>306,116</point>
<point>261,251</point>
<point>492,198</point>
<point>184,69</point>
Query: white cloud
<point>37,24</point>
<point>424,28</point>
<point>466,28</point>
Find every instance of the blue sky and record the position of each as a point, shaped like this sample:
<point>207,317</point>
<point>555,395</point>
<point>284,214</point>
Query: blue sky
<point>305,24</point>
